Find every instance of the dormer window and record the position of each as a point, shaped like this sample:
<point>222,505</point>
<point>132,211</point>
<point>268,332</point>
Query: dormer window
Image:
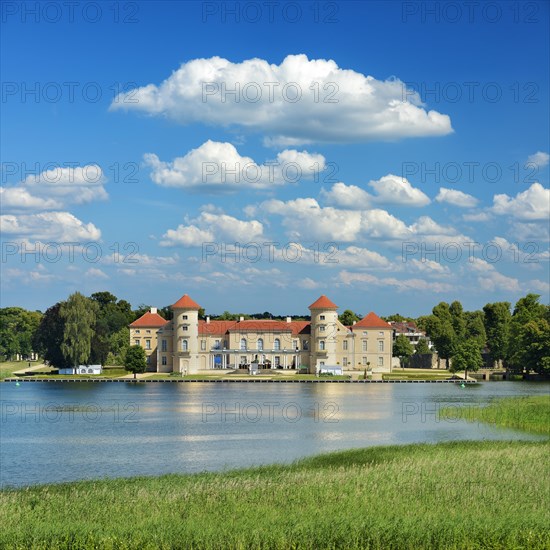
<point>321,317</point>
<point>184,317</point>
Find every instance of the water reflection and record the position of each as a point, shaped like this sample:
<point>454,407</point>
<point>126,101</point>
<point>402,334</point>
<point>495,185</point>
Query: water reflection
<point>59,432</point>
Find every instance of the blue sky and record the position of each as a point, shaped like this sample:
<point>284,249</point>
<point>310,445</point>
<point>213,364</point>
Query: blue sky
<point>417,134</point>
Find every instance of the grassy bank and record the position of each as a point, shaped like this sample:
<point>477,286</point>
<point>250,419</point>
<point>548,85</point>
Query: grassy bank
<point>456,495</point>
<point>531,414</point>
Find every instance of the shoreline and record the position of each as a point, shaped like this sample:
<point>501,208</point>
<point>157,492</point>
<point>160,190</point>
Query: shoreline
<point>242,380</point>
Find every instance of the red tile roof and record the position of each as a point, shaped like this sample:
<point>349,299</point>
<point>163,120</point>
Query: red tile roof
<point>372,321</point>
<point>215,327</point>
<point>323,303</point>
<point>149,320</point>
<point>253,325</point>
<point>185,302</point>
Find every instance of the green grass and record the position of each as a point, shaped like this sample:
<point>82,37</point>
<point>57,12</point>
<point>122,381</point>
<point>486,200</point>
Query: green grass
<point>417,374</point>
<point>7,368</point>
<point>531,414</point>
<point>460,495</point>
<point>107,373</point>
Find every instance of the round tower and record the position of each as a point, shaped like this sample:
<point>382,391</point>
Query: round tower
<point>324,326</point>
<point>186,335</point>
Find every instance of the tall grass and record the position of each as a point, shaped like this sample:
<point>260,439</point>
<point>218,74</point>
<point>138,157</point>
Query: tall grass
<point>531,414</point>
<point>459,495</point>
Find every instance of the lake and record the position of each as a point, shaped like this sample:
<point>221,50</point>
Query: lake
<point>53,432</point>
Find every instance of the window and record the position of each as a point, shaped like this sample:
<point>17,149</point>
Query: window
<point>148,344</point>
<point>184,345</point>
<point>305,345</point>
<point>148,331</point>
<point>345,362</point>
<point>365,333</point>
<point>260,344</point>
<point>364,345</point>
<point>163,345</point>
<point>137,331</point>
<point>364,360</point>
<point>163,360</point>
<point>203,345</point>
<point>243,359</point>
<point>277,344</point>
<point>380,345</point>
<point>321,317</point>
<point>322,345</point>
<point>184,317</point>
<point>380,361</point>
<point>380,335</point>
<point>136,342</point>
<point>345,345</point>
<point>277,361</point>
<point>321,363</point>
<point>243,343</point>
<point>322,328</point>
<point>294,344</point>
<point>185,328</point>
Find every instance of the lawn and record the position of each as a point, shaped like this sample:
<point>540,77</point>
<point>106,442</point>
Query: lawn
<point>459,495</point>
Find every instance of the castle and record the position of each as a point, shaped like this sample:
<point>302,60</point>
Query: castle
<point>188,345</point>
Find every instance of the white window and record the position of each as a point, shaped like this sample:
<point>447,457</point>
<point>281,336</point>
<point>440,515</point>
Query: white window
<point>364,360</point>
<point>380,335</point>
<point>243,359</point>
<point>294,344</point>
<point>380,361</point>
<point>163,345</point>
<point>380,345</point>
<point>365,333</point>
<point>164,361</point>
<point>276,361</point>
<point>322,328</point>
<point>185,328</point>
<point>243,343</point>
<point>137,331</point>
<point>321,363</point>
<point>184,317</point>
<point>148,331</point>
<point>203,345</point>
<point>260,344</point>
<point>345,361</point>
<point>345,345</point>
<point>136,342</point>
<point>277,344</point>
<point>305,345</point>
<point>364,345</point>
<point>217,344</point>
<point>322,317</point>
<point>322,345</point>
<point>184,345</point>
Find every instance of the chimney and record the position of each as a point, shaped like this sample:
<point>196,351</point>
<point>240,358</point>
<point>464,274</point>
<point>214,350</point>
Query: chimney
<point>153,310</point>
<point>288,319</point>
<point>241,318</point>
<point>354,322</point>
<point>208,318</point>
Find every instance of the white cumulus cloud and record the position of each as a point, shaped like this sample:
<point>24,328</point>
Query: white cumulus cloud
<point>299,101</point>
<point>218,166</point>
<point>531,204</point>
<point>456,198</point>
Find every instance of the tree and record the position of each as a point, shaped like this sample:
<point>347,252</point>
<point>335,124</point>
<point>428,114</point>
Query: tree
<point>475,327</point>
<point>529,335</point>
<point>467,357</point>
<point>397,318</point>
<point>135,360</point>
<point>48,337</point>
<point>119,342</point>
<point>497,328</point>
<point>403,349</point>
<point>17,330</point>
<point>422,347</point>
<point>79,316</point>
<point>457,320</point>
<point>348,317</point>
<point>439,327</point>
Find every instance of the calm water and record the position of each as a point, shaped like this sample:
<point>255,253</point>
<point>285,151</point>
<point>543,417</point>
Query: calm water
<point>53,432</point>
